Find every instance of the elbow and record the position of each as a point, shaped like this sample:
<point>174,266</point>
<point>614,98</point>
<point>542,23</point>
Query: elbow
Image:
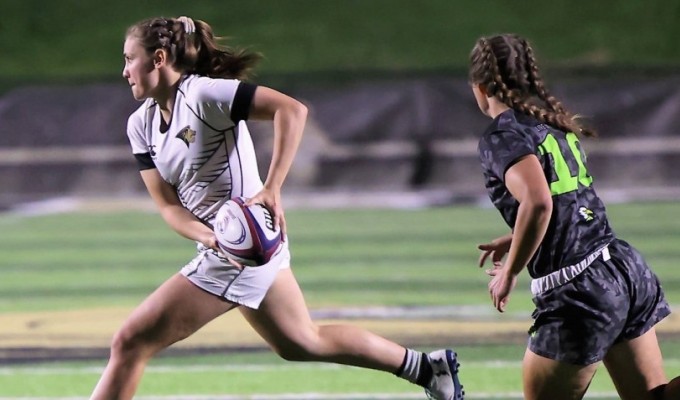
<point>541,207</point>
<point>292,112</point>
<point>299,110</point>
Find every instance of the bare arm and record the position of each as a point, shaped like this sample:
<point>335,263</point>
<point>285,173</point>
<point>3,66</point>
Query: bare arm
<point>174,213</point>
<point>289,117</point>
<point>526,182</point>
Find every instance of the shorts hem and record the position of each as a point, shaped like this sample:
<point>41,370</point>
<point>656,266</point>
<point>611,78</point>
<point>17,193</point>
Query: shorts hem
<point>219,294</point>
<point>647,327</point>
<point>566,360</point>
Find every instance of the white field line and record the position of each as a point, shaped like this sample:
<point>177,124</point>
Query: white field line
<point>323,396</point>
<point>24,370</point>
<point>221,368</point>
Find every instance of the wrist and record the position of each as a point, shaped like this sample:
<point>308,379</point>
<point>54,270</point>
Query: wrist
<point>510,271</point>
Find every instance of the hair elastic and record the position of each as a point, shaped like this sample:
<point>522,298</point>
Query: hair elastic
<point>189,26</point>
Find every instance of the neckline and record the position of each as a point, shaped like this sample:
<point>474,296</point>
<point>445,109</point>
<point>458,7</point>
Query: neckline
<point>164,126</point>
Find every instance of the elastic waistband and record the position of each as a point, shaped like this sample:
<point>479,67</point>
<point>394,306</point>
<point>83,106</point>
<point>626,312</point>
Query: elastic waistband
<point>564,275</point>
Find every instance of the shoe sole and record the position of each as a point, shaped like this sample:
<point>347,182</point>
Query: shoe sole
<point>454,366</point>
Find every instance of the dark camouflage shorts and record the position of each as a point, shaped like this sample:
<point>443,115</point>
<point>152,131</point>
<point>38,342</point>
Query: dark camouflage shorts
<point>611,301</point>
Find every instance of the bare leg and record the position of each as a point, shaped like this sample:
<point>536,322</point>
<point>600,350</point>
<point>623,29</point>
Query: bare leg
<point>636,368</point>
<point>171,313</point>
<point>546,379</point>
<point>283,320</point>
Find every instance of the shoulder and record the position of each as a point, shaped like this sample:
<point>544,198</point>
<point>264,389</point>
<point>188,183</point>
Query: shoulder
<point>507,139</point>
<point>513,125</point>
<point>198,88</point>
<point>138,117</point>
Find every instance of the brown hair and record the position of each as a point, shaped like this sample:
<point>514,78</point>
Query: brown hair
<point>506,66</point>
<point>198,53</point>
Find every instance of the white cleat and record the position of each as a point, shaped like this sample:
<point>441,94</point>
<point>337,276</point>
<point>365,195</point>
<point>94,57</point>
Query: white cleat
<point>444,384</point>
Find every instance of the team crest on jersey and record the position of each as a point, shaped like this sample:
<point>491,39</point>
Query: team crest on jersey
<point>586,214</point>
<point>187,135</point>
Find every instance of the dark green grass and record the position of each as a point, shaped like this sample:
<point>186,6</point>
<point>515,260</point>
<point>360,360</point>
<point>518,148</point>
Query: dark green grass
<point>76,40</point>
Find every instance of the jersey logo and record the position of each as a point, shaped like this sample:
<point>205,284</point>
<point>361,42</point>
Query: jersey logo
<point>187,135</point>
<point>152,151</point>
<point>586,214</point>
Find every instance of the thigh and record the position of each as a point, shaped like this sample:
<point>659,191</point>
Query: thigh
<point>636,366</point>
<point>282,318</point>
<point>547,379</point>
<point>172,312</point>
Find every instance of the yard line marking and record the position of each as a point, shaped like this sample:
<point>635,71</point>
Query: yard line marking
<point>321,396</point>
<point>161,369</point>
<point>164,369</point>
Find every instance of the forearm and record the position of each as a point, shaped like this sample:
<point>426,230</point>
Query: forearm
<point>530,227</point>
<point>289,123</point>
<point>185,223</point>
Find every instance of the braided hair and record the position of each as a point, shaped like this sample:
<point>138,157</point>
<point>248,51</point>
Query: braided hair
<point>506,66</point>
<point>196,52</point>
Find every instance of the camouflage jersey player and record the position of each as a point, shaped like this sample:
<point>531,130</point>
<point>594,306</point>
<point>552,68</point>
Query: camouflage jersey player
<point>596,299</point>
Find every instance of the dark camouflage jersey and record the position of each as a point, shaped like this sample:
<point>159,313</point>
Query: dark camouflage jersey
<point>579,224</point>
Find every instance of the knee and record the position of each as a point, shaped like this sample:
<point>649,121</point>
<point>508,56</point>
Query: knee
<point>126,343</point>
<point>304,345</point>
<point>295,352</point>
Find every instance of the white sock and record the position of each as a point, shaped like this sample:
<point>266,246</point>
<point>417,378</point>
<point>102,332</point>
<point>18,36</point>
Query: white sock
<point>411,367</point>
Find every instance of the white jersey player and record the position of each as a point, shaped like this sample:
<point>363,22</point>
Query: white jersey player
<point>206,151</point>
<point>195,152</point>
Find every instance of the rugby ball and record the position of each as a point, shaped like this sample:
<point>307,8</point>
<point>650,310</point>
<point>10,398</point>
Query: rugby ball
<point>247,233</point>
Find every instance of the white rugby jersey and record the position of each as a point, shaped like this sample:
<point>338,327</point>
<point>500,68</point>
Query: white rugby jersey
<point>206,152</point>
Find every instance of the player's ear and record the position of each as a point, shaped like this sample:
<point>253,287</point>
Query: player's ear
<point>482,89</point>
<point>160,57</point>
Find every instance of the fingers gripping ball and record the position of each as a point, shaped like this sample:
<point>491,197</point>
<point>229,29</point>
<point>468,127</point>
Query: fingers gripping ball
<point>247,234</point>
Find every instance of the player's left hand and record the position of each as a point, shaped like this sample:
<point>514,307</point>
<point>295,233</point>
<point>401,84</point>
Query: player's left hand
<point>496,249</point>
<point>272,200</point>
<point>500,286</point>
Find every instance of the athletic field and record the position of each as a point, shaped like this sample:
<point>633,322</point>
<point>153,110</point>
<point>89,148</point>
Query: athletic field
<point>69,279</point>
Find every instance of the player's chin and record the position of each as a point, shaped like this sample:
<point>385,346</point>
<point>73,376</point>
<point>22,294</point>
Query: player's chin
<point>138,94</point>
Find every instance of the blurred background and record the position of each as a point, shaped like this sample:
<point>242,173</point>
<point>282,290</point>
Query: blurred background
<point>386,202</point>
<point>390,107</point>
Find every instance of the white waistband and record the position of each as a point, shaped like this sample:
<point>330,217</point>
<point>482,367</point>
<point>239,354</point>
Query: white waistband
<point>564,275</point>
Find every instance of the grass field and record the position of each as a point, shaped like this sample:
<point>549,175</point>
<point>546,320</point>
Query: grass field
<point>342,258</point>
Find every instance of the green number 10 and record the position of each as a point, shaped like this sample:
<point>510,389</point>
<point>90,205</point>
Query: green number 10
<point>565,182</point>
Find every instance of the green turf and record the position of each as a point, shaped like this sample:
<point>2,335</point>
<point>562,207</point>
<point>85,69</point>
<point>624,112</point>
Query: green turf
<point>341,258</point>
<point>485,369</point>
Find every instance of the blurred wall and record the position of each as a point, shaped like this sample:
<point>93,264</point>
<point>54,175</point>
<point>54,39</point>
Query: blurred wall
<point>385,81</point>
<point>405,134</point>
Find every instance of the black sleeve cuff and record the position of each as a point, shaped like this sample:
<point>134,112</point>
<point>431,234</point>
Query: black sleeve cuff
<point>144,161</point>
<point>242,101</point>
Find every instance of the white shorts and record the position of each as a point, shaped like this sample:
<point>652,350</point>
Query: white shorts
<point>246,286</point>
